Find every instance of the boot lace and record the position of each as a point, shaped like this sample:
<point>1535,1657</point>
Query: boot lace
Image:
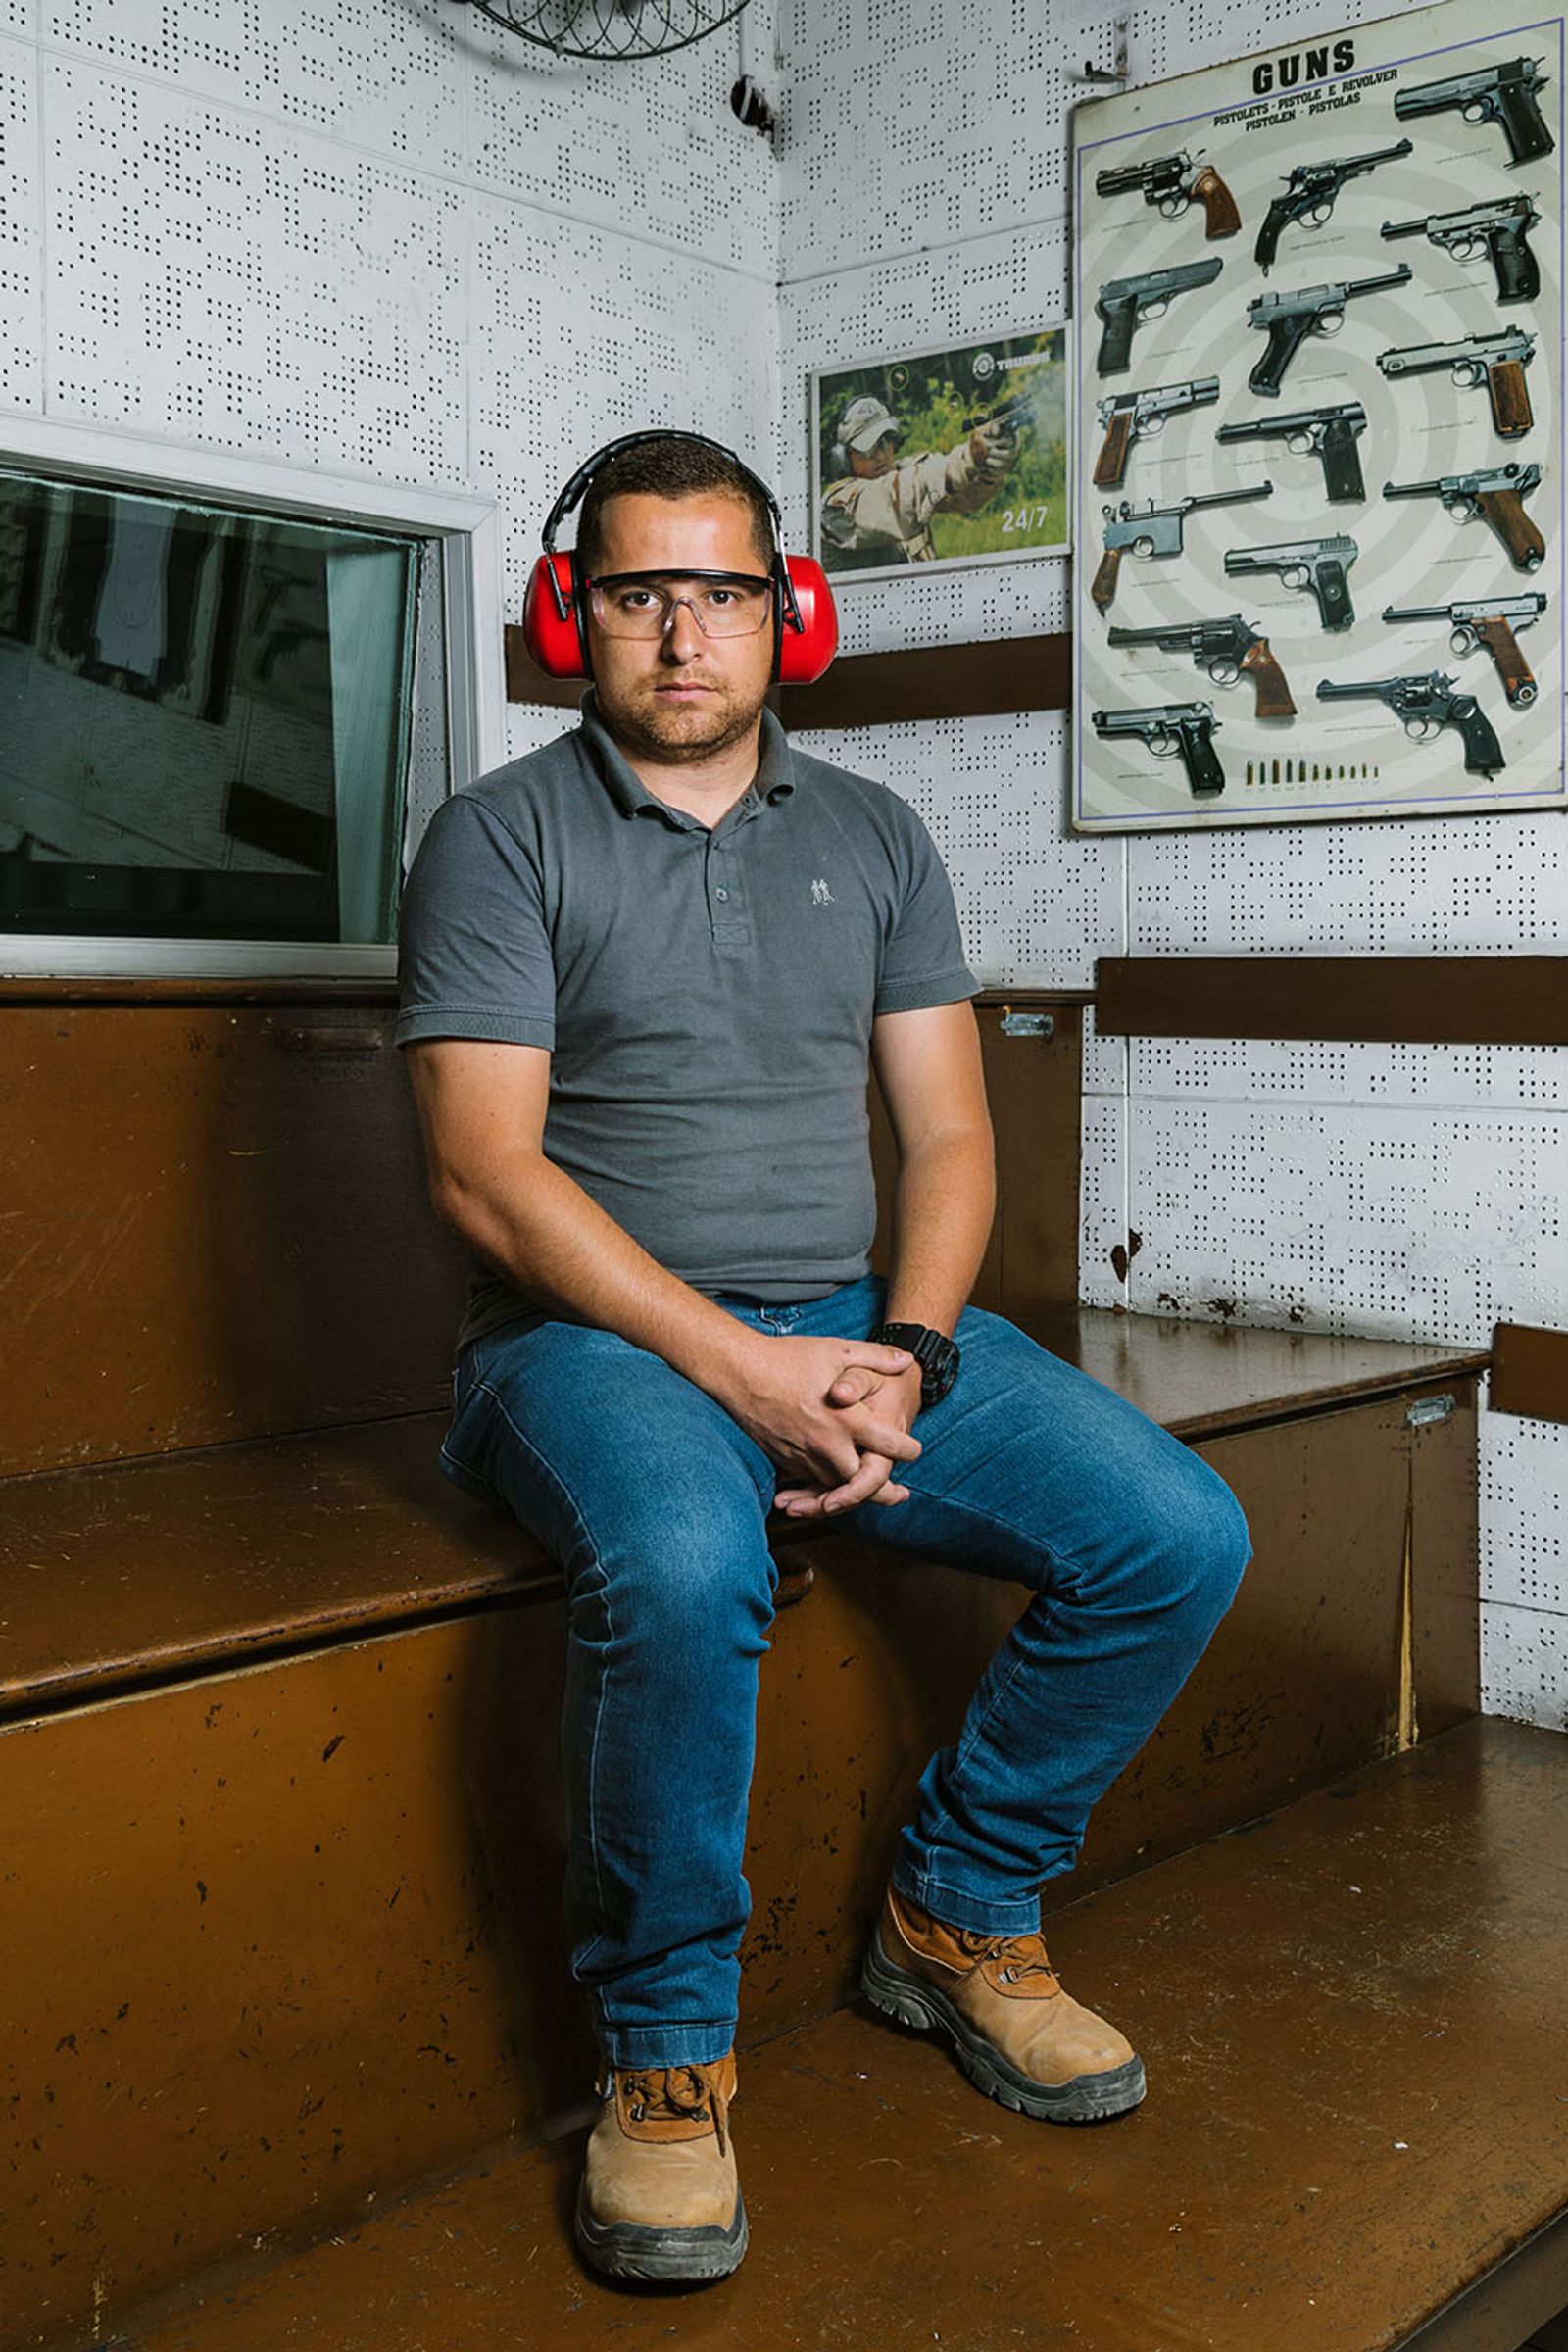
<point>673,2094</point>
<point>1017,1957</point>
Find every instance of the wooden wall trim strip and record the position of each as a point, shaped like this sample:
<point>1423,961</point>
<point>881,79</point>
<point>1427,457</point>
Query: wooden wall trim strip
<point>936,681</point>
<point>1530,1372</point>
<point>1401,1000</point>
<point>868,690</point>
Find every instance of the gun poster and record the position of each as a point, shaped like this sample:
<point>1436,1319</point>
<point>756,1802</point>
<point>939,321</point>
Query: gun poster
<point>1318,356</point>
<point>938,458</point>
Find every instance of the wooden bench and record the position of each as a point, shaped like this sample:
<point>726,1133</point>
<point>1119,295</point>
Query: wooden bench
<point>281,1842</point>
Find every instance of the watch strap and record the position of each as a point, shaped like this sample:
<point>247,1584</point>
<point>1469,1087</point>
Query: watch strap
<point>937,1356</point>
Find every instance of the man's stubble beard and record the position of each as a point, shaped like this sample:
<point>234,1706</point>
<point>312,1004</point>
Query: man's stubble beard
<point>718,728</point>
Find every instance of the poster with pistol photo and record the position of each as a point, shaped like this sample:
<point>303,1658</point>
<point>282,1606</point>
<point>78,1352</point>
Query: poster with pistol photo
<point>1317,356</point>
<point>934,459</point>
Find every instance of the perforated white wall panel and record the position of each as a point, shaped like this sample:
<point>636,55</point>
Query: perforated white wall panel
<point>553,379</point>
<point>1457,885</point>
<point>1411,1192</point>
<point>991,790</point>
<point>21,231</point>
<point>382,238</point>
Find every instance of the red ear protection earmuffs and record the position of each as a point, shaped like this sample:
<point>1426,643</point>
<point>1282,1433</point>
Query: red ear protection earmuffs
<point>554,609</point>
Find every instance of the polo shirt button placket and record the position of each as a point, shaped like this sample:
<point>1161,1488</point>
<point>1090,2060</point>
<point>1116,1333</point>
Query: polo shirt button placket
<point>726,902</point>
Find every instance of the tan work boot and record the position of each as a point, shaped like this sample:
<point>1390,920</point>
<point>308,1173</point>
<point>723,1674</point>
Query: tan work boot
<point>1018,2034</point>
<point>660,2199</point>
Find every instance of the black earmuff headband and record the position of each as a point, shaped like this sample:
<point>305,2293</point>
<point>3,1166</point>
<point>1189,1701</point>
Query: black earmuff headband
<point>575,490</point>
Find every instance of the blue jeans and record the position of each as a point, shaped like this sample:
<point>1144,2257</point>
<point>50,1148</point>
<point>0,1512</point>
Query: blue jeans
<point>654,1502</point>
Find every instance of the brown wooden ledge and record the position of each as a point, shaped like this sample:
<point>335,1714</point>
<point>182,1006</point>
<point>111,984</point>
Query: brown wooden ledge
<point>1400,1000</point>
<point>1530,1372</point>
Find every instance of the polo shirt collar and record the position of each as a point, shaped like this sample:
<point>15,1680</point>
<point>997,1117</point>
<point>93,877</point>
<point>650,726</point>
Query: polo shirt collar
<point>775,776</point>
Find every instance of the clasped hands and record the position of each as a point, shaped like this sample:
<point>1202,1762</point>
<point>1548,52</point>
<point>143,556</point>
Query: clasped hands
<point>834,1416</point>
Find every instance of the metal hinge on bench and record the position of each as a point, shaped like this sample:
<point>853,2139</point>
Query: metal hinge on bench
<point>1429,1408</point>
<point>1028,1024</point>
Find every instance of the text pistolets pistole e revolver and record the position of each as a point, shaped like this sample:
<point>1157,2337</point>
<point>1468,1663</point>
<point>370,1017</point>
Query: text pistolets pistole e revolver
<point>1500,359</point>
<point>1493,493</point>
<point>1127,302</point>
<point>1173,183</point>
<point>1170,730</point>
<point>1150,530</point>
<point>1319,566</point>
<point>1289,319</point>
<point>1224,647</point>
<point>1130,416</point>
<point>1504,94</point>
<point>1327,433</point>
<point>1489,621</point>
<point>1500,229</point>
<point>1309,193</point>
<point>1425,702</point>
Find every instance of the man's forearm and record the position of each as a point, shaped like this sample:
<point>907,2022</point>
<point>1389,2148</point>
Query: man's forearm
<point>942,1207</point>
<point>540,1229</point>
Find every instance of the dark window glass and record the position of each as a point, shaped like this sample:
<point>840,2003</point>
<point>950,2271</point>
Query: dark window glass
<point>203,719</point>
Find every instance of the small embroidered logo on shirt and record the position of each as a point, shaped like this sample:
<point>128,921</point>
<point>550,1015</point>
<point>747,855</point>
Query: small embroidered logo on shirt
<point>821,896</point>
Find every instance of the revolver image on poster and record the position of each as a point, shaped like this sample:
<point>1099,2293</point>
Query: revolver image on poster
<point>1319,566</point>
<point>1174,182</point>
<point>1500,230</point>
<point>1327,433</point>
<point>1496,494</point>
<point>1172,730</point>
<point>1425,702</point>
<point>1503,94</point>
<point>1224,647</point>
<point>1489,621</point>
<point>1130,416</point>
<point>1498,359</point>
<point>1289,319</point>
<point>1150,530</point>
<point>1127,303</point>
<point>1309,193</point>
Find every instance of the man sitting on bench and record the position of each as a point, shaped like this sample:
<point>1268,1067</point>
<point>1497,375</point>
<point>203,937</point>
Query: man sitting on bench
<point>644,971</point>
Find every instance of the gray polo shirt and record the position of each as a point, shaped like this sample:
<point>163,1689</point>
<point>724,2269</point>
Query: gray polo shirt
<point>706,995</point>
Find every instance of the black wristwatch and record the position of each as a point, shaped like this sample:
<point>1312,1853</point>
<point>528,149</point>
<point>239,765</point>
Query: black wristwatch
<point>936,1355</point>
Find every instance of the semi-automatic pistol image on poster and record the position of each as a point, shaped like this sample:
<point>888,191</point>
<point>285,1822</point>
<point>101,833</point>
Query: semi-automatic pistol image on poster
<point>1128,303</point>
<point>1425,703</point>
<point>1150,530</point>
<point>1328,433</point>
<point>1131,417</point>
<point>1173,183</point>
<point>1501,230</point>
<point>1224,647</point>
<point>1494,492</point>
<point>1318,566</point>
<point>1289,319</point>
<point>1171,731</point>
<point>1489,621</point>
<point>1498,361</point>
<point>1309,193</point>
<point>1501,94</point>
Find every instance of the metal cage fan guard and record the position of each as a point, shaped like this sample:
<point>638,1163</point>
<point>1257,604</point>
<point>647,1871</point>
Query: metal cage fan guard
<point>613,29</point>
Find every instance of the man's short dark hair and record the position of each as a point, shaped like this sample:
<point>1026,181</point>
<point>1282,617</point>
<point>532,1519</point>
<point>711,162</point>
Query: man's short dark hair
<point>672,466</point>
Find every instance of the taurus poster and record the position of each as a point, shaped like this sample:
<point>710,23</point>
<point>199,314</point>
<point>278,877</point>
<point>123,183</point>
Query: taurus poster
<point>939,458</point>
<point>1318,482</point>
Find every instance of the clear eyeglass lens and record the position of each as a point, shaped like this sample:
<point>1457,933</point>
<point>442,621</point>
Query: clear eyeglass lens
<point>727,604</point>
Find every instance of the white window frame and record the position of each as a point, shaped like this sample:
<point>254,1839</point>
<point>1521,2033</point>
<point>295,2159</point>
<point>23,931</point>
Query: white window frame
<point>469,531</point>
